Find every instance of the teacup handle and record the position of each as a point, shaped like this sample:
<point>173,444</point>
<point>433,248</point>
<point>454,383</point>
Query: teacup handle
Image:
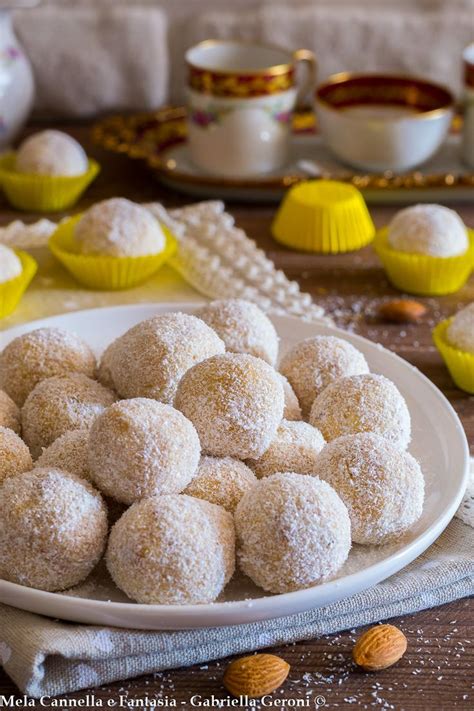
<point>309,58</point>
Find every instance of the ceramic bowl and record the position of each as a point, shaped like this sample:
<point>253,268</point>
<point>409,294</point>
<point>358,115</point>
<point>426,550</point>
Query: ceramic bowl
<point>382,122</point>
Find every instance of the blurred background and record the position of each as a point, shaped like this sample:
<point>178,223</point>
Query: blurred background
<point>94,56</point>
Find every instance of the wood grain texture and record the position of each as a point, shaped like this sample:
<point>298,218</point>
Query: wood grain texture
<point>437,670</point>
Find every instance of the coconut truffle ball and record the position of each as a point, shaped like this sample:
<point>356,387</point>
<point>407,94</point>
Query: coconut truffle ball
<point>40,354</point>
<point>293,531</point>
<point>10,265</point>
<point>9,413</point>
<point>460,332</point>
<point>69,452</point>
<point>362,403</point>
<point>235,401</point>
<point>432,230</point>
<point>59,404</point>
<point>119,228</point>
<point>292,407</point>
<point>221,481</point>
<point>172,550</point>
<point>243,327</point>
<point>142,447</point>
<point>382,487</point>
<point>53,528</point>
<point>295,448</point>
<point>315,362</point>
<point>104,374</point>
<point>152,357</point>
<point>15,456</point>
<point>51,153</point>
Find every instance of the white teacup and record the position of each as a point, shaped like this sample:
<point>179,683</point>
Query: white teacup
<point>240,101</point>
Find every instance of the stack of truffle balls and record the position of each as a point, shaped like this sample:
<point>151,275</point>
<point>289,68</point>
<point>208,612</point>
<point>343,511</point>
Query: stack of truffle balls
<point>184,452</point>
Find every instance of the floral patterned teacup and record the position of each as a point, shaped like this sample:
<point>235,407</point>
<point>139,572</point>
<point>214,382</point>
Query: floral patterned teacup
<point>240,100</point>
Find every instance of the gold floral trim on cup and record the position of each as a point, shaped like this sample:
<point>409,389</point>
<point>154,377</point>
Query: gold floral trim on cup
<point>240,85</point>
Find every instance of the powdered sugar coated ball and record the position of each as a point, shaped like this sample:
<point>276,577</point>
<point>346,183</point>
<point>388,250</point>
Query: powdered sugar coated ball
<point>40,354</point>
<point>150,359</point>
<point>382,487</point>
<point>59,404</point>
<point>433,230</point>
<point>9,413</point>
<point>15,456</point>
<point>236,403</point>
<point>243,327</point>
<point>294,448</point>
<point>119,228</point>
<point>10,265</point>
<point>315,362</point>
<point>460,332</point>
<point>69,453</point>
<point>362,403</point>
<point>292,407</point>
<point>172,550</point>
<point>142,447</point>
<point>53,528</point>
<point>51,153</point>
<point>222,481</point>
<point>293,531</point>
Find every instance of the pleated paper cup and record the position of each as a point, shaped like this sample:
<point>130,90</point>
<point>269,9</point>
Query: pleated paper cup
<point>12,290</point>
<point>43,193</point>
<point>106,273</point>
<point>324,216</point>
<point>422,274</point>
<point>459,363</point>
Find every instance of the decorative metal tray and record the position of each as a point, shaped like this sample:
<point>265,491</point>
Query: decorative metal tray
<point>159,139</point>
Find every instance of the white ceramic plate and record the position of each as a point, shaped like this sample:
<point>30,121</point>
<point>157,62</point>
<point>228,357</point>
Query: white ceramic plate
<point>439,443</point>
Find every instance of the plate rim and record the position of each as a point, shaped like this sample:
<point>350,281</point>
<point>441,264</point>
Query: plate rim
<point>228,612</point>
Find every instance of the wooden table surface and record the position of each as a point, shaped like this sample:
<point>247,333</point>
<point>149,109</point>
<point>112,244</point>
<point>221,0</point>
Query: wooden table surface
<point>437,670</point>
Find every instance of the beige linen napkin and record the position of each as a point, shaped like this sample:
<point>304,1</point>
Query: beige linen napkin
<point>47,657</point>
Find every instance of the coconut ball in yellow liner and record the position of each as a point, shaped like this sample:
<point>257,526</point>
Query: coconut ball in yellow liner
<point>243,327</point>
<point>40,354</point>
<point>460,332</point>
<point>222,481</point>
<point>10,415</point>
<point>362,403</point>
<point>235,401</point>
<point>119,228</point>
<point>150,359</point>
<point>315,362</point>
<point>295,448</point>
<point>172,550</point>
<point>142,447</point>
<point>59,404</point>
<point>293,531</point>
<point>51,153</point>
<point>10,265</point>
<point>15,456</point>
<point>53,528</point>
<point>431,230</point>
<point>382,487</point>
<point>292,407</point>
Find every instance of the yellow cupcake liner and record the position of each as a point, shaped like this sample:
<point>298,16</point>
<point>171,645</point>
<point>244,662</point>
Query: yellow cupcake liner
<point>12,290</point>
<point>459,363</point>
<point>324,216</point>
<point>43,193</point>
<point>103,272</point>
<point>421,274</point>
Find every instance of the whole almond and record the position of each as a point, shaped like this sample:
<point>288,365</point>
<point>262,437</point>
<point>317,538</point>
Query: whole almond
<point>379,647</point>
<point>402,310</point>
<point>256,675</point>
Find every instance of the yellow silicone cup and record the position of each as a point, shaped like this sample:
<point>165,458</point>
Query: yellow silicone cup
<point>11,291</point>
<point>103,272</point>
<point>43,193</point>
<point>324,216</point>
<point>422,274</point>
<point>459,363</point>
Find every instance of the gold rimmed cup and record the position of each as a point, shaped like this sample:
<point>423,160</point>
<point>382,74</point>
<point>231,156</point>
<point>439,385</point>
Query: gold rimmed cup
<point>383,122</point>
